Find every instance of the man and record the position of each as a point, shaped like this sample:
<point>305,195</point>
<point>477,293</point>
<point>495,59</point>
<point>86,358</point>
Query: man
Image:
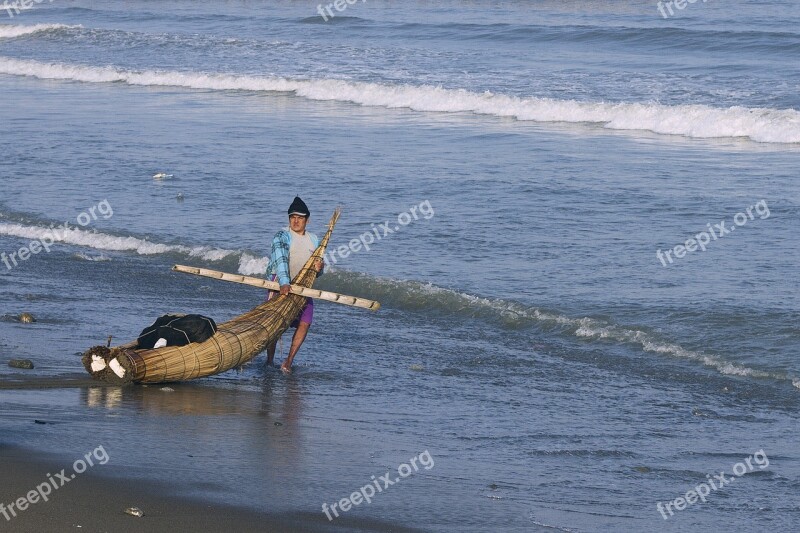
<point>291,248</point>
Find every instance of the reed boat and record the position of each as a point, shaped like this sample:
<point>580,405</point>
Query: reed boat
<point>235,342</point>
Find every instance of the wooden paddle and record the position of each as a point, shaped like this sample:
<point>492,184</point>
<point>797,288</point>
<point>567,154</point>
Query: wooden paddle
<point>275,286</point>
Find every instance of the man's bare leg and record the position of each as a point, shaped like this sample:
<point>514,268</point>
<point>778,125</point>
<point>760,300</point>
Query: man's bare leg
<point>271,352</point>
<point>297,341</point>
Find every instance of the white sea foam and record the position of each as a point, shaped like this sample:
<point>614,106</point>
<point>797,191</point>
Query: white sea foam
<point>649,344</point>
<point>591,328</point>
<point>103,241</point>
<point>512,312</point>
<point>8,31</point>
<point>249,265</point>
<point>88,257</point>
<point>585,327</point>
<point>698,121</point>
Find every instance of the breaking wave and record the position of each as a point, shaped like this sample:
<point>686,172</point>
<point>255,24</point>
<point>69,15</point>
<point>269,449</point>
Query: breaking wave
<point>417,295</point>
<point>697,121</point>
<point>9,31</point>
<point>103,241</point>
<point>409,295</point>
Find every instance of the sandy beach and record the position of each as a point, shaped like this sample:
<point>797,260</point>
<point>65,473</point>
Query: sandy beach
<point>96,501</point>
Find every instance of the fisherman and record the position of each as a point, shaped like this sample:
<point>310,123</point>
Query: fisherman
<point>291,248</point>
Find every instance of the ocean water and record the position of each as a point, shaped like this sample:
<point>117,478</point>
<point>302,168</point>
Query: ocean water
<point>527,166</point>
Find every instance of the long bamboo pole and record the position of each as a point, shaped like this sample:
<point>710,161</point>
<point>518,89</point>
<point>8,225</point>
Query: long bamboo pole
<point>275,286</point>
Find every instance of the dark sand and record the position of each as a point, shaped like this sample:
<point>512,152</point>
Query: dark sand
<point>93,503</point>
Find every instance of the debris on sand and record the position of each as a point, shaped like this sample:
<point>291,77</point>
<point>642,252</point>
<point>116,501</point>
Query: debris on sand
<point>25,364</point>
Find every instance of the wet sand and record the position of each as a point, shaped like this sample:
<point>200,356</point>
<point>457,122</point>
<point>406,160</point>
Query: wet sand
<point>94,503</point>
<point>96,499</point>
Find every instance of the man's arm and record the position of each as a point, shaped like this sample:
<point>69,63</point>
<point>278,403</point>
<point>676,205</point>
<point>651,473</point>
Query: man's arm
<point>280,254</point>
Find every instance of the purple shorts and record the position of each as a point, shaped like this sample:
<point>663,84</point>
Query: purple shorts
<point>306,313</point>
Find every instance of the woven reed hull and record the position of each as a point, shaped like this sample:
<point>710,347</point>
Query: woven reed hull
<point>236,342</point>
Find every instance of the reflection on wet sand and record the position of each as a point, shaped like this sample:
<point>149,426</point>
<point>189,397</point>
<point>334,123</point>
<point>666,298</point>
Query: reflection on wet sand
<point>102,397</point>
<point>257,442</point>
<point>200,398</point>
<point>263,417</point>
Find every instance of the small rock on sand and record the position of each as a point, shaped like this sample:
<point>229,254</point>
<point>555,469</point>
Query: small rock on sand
<point>134,511</point>
<point>25,364</point>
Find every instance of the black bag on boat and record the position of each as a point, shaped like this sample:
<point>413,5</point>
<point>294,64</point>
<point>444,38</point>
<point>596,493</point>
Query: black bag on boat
<point>178,330</point>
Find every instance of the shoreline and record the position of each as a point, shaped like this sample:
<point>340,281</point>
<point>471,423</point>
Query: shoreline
<point>21,381</point>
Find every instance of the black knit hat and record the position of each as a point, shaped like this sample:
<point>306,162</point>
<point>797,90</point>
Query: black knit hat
<point>299,207</point>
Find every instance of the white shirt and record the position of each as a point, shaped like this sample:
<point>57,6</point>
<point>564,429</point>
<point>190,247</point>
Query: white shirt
<point>300,250</point>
